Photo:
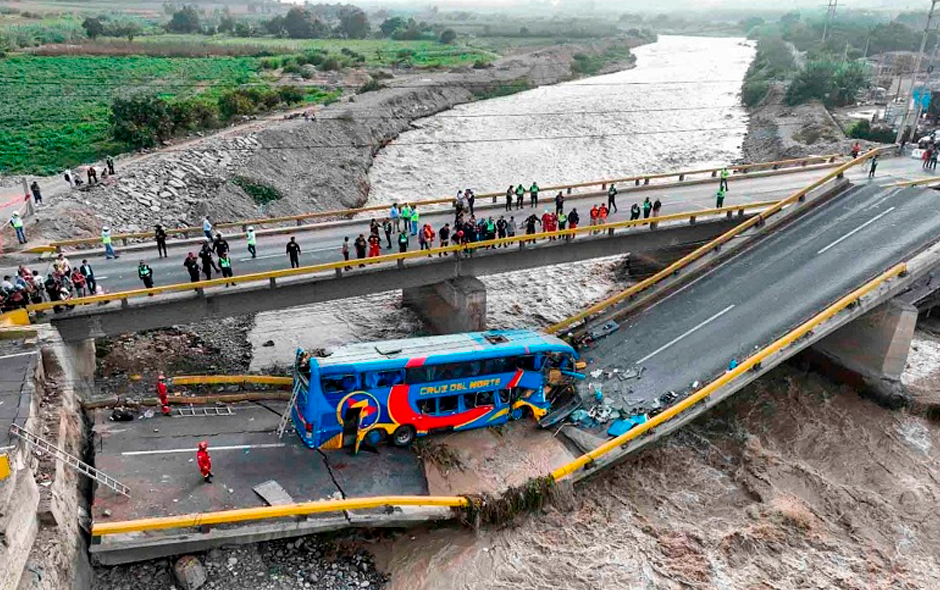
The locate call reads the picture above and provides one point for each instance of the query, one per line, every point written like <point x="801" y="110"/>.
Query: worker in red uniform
<point x="205" y="461"/>
<point x="375" y="245"/>
<point x="161" y="393"/>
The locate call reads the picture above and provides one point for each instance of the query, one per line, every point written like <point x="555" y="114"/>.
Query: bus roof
<point x="449" y="348"/>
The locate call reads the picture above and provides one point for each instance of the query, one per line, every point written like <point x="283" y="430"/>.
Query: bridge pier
<point x="873" y="349"/>
<point x="82" y="356"/>
<point x="452" y="306"/>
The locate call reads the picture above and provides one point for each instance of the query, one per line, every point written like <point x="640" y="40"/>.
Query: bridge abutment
<point x="451" y="306"/>
<point x="82" y="356"/>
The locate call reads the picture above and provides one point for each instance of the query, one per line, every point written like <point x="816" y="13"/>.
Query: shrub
<point x="754" y="91"/>
<point x="371" y="86"/>
<point x="448" y="36"/>
<point x="184" y="20"/>
<point x="331" y="64"/>
<point x="269" y="63"/>
<point x="235" y="103"/>
<point x="260" y="192"/>
<point x="141" y="121"/>
<point x="291" y="94"/>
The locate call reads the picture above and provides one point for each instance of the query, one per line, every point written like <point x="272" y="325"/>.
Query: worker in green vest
<point x="534" y="195"/>
<point x="145" y="274"/>
<point x="225" y="265"/>
<point x="720" y="199"/>
<point x="723" y="183"/>
<point x="520" y="192"/>
<point x="252" y="242"/>
<point x="415" y="216"/>
<point x="17" y="224"/>
<point x="106" y="242"/>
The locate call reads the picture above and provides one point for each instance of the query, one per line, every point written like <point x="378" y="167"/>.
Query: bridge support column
<point x="82" y="356"/>
<point x="455" y="305"/>
<point x="871" y="352"/>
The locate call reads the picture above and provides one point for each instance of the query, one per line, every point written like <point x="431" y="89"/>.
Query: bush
<point x="448" y="36"/>
<point x="754" y="91"/>
<point x="331" y="64"/>
<point x="371" y="86"/>
<point x="864" y="130"/>
<point x="141" y="121"/>
<point x="269" y="63"/>
<point x="235" y="103"/>
<point x="184" y="20"/>
<point x="291" y="94"/>
<point x="260" y="192"/>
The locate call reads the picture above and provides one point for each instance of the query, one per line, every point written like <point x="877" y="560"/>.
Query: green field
<point x="55" y="110"/>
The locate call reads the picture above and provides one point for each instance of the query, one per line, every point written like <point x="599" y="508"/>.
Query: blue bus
<point x="398" y="390"/>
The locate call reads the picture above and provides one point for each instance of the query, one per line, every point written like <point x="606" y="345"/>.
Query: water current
<point x="678" y="108"/>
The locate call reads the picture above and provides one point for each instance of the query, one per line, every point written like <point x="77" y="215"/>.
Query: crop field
<point x="55" y="110"/>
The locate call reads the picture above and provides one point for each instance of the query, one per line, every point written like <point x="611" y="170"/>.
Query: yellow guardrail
<point x="703" y="250"/>
<point x="267" y="512"/>
<point x="228" y="379"/>
<point x="332" y="266"/>
<point x="922" y="181"/>
<point x="729" y="376"/>
<point x="643" y="178"/>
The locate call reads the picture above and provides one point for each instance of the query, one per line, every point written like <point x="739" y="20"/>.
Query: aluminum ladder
<point x="212" y="411"/>
<point x="285" y="417"/>
<point x="75" y="463"/>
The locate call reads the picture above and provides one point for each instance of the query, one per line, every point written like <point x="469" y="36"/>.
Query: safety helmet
<point x="250" y="228"/>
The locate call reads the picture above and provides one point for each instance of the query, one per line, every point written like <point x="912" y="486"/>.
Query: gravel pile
<point x="276" y="565"/>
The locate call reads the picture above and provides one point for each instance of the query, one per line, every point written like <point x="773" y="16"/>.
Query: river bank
<point x="284" y="167"/>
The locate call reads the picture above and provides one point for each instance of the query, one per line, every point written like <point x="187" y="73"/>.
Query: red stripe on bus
<point x="515" y="379"/>
<point x="416" y="362"/>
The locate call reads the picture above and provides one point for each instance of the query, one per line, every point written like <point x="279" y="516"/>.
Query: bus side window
<point x="484" y="398"/>
<point x="504" y="396"/>
<point x="447" y="404"/>
<point x="338" y="383"/>
<point x="427" y="406"/>
<point x="381" y="379"/>
<point x="529" y="363"/>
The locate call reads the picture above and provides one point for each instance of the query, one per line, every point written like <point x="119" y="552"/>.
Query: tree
<point x="226" y="24"/>
<point x="141" y="121"/>
<point x="93" y="27"/>
<point x="128" y="30"/>
<point x="354" y="23"/>
<point x="448" y="36"/>
<point x="849" y="80"/>
<point x="390" y="25"/>
<point x="814" y="82"/>
<point x="184" y="20"/>
<point x="301" y="24"/>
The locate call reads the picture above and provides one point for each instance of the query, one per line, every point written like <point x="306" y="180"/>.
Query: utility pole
<point x="920" y="55"/>
<point x="830" y="15"/>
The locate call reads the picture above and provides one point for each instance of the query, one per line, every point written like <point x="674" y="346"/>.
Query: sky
<point x="659" y="5"/>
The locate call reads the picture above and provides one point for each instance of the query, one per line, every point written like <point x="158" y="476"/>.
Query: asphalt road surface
<point x="15" y="369"/>
<point x="747" y="302"/>
<point x="323" y="245"/>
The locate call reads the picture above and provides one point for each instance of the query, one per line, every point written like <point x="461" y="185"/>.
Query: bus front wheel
<point x="404" y="435"/>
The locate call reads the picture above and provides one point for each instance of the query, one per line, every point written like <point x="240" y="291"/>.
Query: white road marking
<point x="9" y="356"/>
<point x="260" y="257"/>
<point x="857" y="229"/>
<point x="683" y="335"/>
<point x="193" y="450"/>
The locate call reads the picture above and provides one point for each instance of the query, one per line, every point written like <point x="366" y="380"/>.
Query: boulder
<point x="189" y="572"/>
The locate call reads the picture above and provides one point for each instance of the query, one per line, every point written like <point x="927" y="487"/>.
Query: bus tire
<point x="521" y="413"/>
<point x="404" y="435"/>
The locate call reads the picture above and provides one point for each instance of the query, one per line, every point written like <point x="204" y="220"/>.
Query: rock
<point x="268" y="343"/>
<point x="189" y="572"/>
<point x="232" y="561"/>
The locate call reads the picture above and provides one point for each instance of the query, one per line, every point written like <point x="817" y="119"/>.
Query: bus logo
<point x="367" y="403"/>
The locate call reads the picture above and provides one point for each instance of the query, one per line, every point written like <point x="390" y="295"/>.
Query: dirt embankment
<point x="777" y="131"/>
<point x="303" y="166"/>
<point x="795" y="483"/>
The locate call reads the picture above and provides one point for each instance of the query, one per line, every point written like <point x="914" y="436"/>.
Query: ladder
<point x="285" y="417"/>
<point x="213" y="411"/>
<point x="75" y="463"/>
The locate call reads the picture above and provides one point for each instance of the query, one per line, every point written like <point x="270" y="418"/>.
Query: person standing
<point x="415" y="216"/>
<point x="530" y="222"/>
<point x="162" y="395"/>
<point x="403" y="241"/>
<point x="573" y="220"/>
<point x="387" y="228"/>
<point x="17" y="224"/>
<point x="647" y="207"/>
<point x="720" y="199"/>
<point x="160" y="235"/>
<point x="360" y="245"/>
<point x="657" y="205"/>
<point x="445" y="237"/>
<point x="220" y="245"/>
<point x="92" y="175"/>
<point x="873" y="166"/>
<point x="225" y="265"/>
<point x="145" y="274"/>
<point x="375" y="245"/>
<point x="856" y="150"/>
<point x="252" y="242"/>
<point x="634" y="212"/>
<point x="612" y="198"/>
<point x="346" y="252"/>
<point x="109" y="162"/>
<point x="207" y="227"/>
<point x="509" y="198"/>
<point x="68" y="178"/>
<point x="511" y="227"/>
<point x="471" y="199"/>
<point x="394" y="214"/>
<point x="192" y="267"/>
<point x="501" y="228"/>
<point x="89" y="275"/>
<point x="204" y="461"/>
<point x="723" y="183"/>
<point x="208" y="263"/>
<point x="534" y="195"/>
<point x="559" y="203"/>
<point x="293" y="252"/>
<point x="37" y="195"/>
<point x="520" y="195"/>
<point x="106" y="241"/>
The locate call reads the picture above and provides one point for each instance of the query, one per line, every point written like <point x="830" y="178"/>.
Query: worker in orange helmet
<point x="205" y="461"/>
<point x="161" y="393"/>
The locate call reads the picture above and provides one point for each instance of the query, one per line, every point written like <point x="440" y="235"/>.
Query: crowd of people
<point x="62" y="282"/>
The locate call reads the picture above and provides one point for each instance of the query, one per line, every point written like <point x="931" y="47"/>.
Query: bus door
<point x="351" y="420"/>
